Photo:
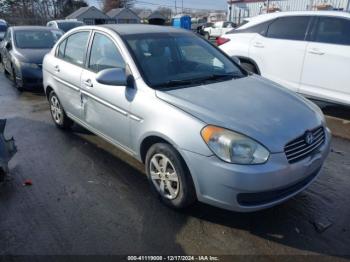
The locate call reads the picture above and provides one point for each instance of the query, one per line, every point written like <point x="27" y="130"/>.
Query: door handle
<point x="316" y="51"/>
<point x="57" y="68"/>
<point x="88" y="83"/>
<point x="259" y="45"/>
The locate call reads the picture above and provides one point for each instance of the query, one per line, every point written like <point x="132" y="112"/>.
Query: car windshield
<point x="179" y="59"/>
<point x="3" y="28"/>
<point x="66" y="26"/>
<point x="36" y="39"/>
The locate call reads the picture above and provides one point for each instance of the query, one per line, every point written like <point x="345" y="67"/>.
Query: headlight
<point x="233" y="147"/>
<point x="35" y="66"/>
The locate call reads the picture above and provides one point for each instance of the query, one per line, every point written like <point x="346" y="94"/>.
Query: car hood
<point x="253" y="106"/>
<point x="35" y="56"/>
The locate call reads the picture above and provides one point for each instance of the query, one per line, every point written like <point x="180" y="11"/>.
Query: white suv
<point x="308" y="52"/>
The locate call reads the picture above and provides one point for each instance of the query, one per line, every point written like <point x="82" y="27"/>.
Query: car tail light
<point x="221" y="40"/>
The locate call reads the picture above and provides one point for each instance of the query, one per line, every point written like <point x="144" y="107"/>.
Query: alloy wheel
<point x="56" y="110"/>
<point x="164" y="176"/>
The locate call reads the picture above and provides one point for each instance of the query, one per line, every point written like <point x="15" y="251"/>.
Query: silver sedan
<point x="205" y="128"/>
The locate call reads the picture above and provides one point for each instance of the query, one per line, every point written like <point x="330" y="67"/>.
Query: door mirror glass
<point x="236" y="60"/>
<point x="8" y="46"/>
<point x="112" y="77"/>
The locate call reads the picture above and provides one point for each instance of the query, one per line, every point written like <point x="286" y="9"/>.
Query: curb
<point x="339" y="127"/>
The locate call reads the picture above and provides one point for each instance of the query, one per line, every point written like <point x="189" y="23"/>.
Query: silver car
<point x="204" y="128"/>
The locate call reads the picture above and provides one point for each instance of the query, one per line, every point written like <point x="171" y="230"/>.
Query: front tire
<point x="169" y="176"/>
<point x="58" y="114"/>
<point x="207" y="36"/>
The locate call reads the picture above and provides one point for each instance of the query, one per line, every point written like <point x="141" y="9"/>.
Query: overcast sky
<point x="200" y="4"/>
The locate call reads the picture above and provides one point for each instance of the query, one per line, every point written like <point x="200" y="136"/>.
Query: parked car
<point x="3" y="28"/>
<point x="22" y="53"/>
<point x="197" y="24"/>
<point x="204" y="128"/>
<point x="308" y="52"/>
<point x="65" y="25"/>
<point x="218" y="29"/>
<point x="202" y="27"/>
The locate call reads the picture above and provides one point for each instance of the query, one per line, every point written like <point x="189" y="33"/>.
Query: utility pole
<point x="175" y="8"/>
<point x="231" y="11"/>
<point x="268" y="6"/>
<point x="348" y="7"/>
<point x="182" y="7"/>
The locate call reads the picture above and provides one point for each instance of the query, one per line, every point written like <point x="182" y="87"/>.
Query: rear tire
<point x="169" y="176"/>
<point x="58" y="114"/>
<point x="249" y="67"/>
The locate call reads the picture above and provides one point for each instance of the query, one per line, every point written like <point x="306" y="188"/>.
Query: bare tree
<point x="111" y="4"/>
<point x="37" y="11"/>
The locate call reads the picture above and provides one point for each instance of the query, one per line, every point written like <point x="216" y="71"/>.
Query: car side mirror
<point x="8" y="46"/>
<point x="112" y="77"/>
<point x="236" y="60"/>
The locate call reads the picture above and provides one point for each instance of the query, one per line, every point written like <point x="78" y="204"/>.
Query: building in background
<point x="90" y="15"/>
<point x="240" y="9"/>
<point x="217" y="16"/>
<point x="124" y="16"/>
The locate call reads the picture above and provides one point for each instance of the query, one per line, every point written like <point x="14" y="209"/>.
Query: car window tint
<point x="61" y="49"/>
<point x="259" y="29"/>
<point x="292" y="28"/>
<point x="104" y="54"/>
<point x="194" y="53"/>
<point x="164" y="58"/>
<point x="333" y="31"/>
<point x="76" y="47"/>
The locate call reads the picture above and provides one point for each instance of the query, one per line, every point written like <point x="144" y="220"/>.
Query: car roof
<point x="66" y="21"/>
<point x="28" y="27"/>
<point x="265" y="17"/>
<point x="132" y="29"/>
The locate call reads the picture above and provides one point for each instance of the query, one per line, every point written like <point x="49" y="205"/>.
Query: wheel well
<point x="48" y="91"/>
<point x="147" y="143"/>
<point x="250" y="61"/>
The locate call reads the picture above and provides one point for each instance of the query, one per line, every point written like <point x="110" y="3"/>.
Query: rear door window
<point x="260" y="29"/>
<point x="333" y="30"/>
<point x="75" y="49"/>
<point x="290" y="28"/>
<point x="61" y="49"/>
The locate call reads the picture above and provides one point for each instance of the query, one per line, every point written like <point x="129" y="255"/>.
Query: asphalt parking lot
<point x="90" y="198"/>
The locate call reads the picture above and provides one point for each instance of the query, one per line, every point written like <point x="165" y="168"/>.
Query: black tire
<point x="186" y="194"/>
<point x="60" y="119"/>
<point x="14" y="79"/>
<point x="249" y="67"/>
<point x="206" y="36"/>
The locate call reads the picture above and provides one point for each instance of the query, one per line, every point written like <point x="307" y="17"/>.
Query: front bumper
<point x="247" y="188"/>
<point x="30" y="78"/>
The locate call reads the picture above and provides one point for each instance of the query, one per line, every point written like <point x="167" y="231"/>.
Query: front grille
<point x="262" y="198"/>
<point x="305" y="145"/>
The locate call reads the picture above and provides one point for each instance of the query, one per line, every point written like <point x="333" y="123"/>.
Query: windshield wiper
<point x="173" y="83"/>
<point x="223" y="76"/>
<point x="185" y="82"/>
